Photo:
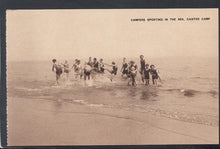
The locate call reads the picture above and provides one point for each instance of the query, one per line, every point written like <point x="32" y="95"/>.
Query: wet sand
<point x="48" y="122"/>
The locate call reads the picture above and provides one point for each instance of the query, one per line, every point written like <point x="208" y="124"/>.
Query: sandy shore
<point x="46" y="122"/>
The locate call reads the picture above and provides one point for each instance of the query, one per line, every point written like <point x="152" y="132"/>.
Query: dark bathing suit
<point x="154" y="74"/>
<point x="125" y="70"/>
<point x="86" y="72"/>
<point x="132" y="75"/>
<point x="142" y="66"/>
<point x="102" y="68"/>
<point x="96" y="65"/>
<point x="75" y="67"/>
<point x="114" y="70"/>
<point x="59" y="70"/>
<point x="146" y="74"/>
<point x="129" y="71"/>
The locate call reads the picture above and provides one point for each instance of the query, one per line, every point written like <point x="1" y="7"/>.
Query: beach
<point x="44" y="122"/>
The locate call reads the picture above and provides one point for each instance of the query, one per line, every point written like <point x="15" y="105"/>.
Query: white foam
<point x="96" y="105"/>
<point x="182" y="90"/>
<point x="80" y="101"/>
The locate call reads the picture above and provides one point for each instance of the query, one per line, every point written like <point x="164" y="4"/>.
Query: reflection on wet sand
<point x="149" y="93"/>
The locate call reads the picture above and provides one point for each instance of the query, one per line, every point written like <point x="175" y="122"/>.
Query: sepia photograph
<point x="112" y="76"/>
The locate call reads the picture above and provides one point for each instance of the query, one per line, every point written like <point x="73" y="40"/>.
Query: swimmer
<point x="58" y="69"/>
<point x="66" y="69"/>
<point x="132" y="71"/>
<point x="95" y="64"/>
<point x="87" y="71"/>
<point x="90" y="61"/>
<point x="124" y="68"/>
<point x="101" y="66"/>
<point x="75" y="65"/>
<point x="154" y="74"/>
<point x="78" y="69"/>
<point x="114" y="70"/>
<point x="142" y="63"/>
<point x="147" y="74"/>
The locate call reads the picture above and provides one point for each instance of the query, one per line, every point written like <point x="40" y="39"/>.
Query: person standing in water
<point x="90" y="62"/>
<point x="101" y="66"/>
<point x="77" y="68"/>
<point x="66" y="69"/>
<point x="95" y="64"/>
<point x="124" y="68"/>
<point x="154" y="74"/>
<point x="87" y="71"/>
<point x="80" y="71"/>
<point x="147" y="74"/>
<point x="58" y="69"/>
<point x="75" y="65"/>
<point x="142" y="63"/>
<point x="114" y="70"/>
<point x="132" y="71"/>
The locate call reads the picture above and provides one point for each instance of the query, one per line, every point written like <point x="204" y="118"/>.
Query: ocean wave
<point x="192" y="92"/>
<point x="211" y="120"/>
<point x="199" y="77"/>
<point x="213" y="93"/>
<point x="28" y="89"/>
<point x="87" y="103"/>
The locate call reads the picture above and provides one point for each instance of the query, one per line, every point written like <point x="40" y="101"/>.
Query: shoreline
<point x="48" y="122"/>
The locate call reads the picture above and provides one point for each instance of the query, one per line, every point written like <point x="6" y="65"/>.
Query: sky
<point x="109" y="33"/>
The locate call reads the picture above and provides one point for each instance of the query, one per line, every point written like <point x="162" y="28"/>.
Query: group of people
<point x="129" y="70"/>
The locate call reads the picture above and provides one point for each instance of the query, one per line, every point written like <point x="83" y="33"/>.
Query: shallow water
<point x="188" y="91"/>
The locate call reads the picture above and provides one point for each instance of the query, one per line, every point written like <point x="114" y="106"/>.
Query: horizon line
<point x="146" y="57"/>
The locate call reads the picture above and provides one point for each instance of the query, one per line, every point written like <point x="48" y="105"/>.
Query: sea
<point x="188" y="90"/>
